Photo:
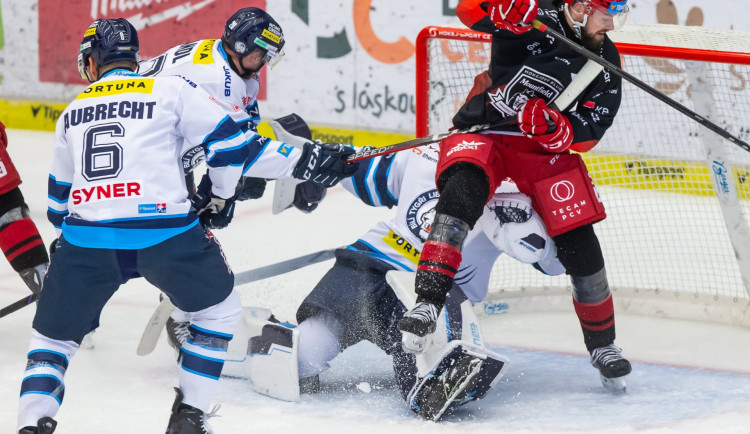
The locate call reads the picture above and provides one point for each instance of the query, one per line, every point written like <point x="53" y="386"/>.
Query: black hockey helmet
<point x="251" y="29"/>
<point x="108" y="41"/>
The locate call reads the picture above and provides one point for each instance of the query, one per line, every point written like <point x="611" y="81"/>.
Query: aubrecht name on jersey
<point x="121" y="109"/>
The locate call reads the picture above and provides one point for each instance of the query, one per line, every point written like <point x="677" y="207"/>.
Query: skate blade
<point x="615" y="385"/>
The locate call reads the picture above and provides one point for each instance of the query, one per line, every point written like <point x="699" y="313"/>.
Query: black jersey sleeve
<point x="597" y="105"/>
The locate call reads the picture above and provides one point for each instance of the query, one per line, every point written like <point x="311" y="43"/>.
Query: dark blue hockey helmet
<point x="251" y="29"/>
<point x="108" y="41"/>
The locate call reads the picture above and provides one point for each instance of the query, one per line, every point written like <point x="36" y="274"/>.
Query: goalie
<point x="354" y="301"/>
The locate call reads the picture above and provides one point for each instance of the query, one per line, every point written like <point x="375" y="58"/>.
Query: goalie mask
<point x="602" y="13"/>
<point x="108" y="41"/>
<point x="251" y="29"/>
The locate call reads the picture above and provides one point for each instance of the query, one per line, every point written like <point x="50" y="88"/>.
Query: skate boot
<point x="177" y="333"/>
<point x="416" y="325"/>
<point x="612" y="367"/>
<point x="45" y="425"/>
<point x="186" y="419"/>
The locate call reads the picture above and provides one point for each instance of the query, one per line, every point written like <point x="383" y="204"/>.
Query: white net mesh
<point x="664" y="233"/>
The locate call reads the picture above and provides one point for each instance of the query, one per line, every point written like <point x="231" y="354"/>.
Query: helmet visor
<point x="272" y="58"/>
<point x="611" y="17"/>
<point x="82" y="66"/>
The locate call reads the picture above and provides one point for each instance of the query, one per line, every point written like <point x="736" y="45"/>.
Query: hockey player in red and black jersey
<point x="19" y="238"/>
<point x="527" y="71"/>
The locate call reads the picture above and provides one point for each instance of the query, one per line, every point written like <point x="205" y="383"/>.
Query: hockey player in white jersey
<point x="230" y="69"/>
<point x="119" y="201"/>
<point x="355" y="302"/>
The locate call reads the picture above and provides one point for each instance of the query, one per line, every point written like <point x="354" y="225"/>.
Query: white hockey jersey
<point x="117" y="179"/>
<point x="206" y="64"/>
<point x="407" y="179"/>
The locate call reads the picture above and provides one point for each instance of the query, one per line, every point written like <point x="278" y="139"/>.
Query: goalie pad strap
<point x="22" y="245"/>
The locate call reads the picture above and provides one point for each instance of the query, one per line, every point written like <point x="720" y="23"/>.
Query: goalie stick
<point x="640" y="84"/>
<point x="163" y="311"/>
<point x="585" y="76"/>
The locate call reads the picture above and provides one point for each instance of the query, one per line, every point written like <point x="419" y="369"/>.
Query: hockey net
<point x="677" y="196"/>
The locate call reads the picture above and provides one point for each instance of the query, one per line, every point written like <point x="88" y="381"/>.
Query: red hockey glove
<point x="3" y="137"/>
<point x="547" y="126"/>
<point x="513" y="15"/>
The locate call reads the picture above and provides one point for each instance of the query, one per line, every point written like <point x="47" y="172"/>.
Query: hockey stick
<point x="163" y="311"/>
<point x="16" y="305"/>
<point x="643" y="86"/>
<point x="585" y="76"/>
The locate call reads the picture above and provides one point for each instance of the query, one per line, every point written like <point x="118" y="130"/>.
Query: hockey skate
<point x="177" y="333"/>
<point x="464" y="374"/>
<point x="45" y="425"/>
<point x="186" y="419"/>
<point x="416" y="324"/>
<point x="612" y="367"/>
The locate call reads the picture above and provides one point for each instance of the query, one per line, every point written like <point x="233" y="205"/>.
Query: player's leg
<point x="191" y="270"/>
<point x="469" y="169"/>
<point x="579" y="252"/>
<point x="319" y="343"/>
<point x="348" y="305"/>
<point x="76" y="287"/>
<point x="454" y="367"/>
<point x="567" y="201"/>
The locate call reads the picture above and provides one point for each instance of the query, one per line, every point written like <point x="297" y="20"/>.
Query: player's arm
<point x="60" y="179"/>
<point x="493" y="16"/>
<point x="203" y="121"/>
<point x="377" y="182"/>
<point x="579" y="129"/>
<point x="20" y="241"/>
<point x="596" y="108"/>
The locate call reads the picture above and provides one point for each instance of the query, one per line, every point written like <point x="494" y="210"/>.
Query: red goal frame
<point x="437" y="32"/>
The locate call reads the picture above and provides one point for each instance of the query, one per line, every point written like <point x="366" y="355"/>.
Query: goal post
<point x="676" y="241"/>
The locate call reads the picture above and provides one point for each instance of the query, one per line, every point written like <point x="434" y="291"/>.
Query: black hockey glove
<point x="307" y="196"/>
<point x="323" y="163"/>
<point x="250" y="188"/>
<point x="213" y="211"/>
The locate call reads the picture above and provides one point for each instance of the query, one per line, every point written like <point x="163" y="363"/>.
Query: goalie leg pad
<point x="270" y="362"/>
<point x="465" y="373"/>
